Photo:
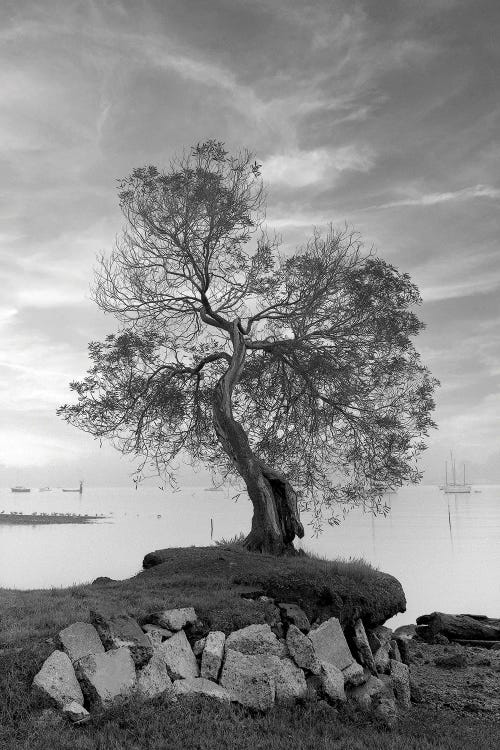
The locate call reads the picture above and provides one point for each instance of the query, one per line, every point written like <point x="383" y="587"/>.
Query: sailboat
<point x="453" y="487"/>
<point x="78" y="489"/>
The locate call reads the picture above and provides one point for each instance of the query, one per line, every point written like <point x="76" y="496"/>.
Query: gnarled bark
<point x="275" y="521"/>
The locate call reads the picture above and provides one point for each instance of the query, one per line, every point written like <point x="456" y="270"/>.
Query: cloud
<point x="431" y="199"/>
<point x="302" y="168"/>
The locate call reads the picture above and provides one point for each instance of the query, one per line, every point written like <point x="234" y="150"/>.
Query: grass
<point x="212" y="580"/>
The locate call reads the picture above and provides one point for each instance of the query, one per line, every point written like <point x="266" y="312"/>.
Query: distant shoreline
<point x="37" y="520"/>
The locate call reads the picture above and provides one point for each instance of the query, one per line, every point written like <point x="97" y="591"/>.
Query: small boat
<point x="44" y="489"/>
<point x="454" y="488"/>
<point x="71" y="489"/>
<point x="20" y="489"/>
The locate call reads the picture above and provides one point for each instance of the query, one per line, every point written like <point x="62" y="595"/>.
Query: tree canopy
<point x="296" y="373"/>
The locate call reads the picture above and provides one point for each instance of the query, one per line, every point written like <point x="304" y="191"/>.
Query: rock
<point x="250" y="679"/>
<point x="382" y="658"/>
<point x="354" y="675"/>
<point x="155" y="639"/>
<point x="292" y="614"/>
<point x="102" y="581"/>
<point x="266" y="599"/>
<point x="199" y="646"/>
<point x="364" y="693"/>
<point x="314" y="689"/>
<point x="201" y="686"/>
<point x="404" y="651"/>
<point x="373" y="640"/>
<point x="394" y="651"/>
<point x="174" y="619"/>
<point x="80" y="639"/>
<point x="107" y="677"/>
<point x="211" y="660"/>
<point x="440" y="639"/>
<point x="451" y="661"/>
<point x="407" y="632"/>
<point x="363" y="647"/>
<point x="178" y="657"/>
<point x="153" y="679"/>
<point x="302" y="650"/>
<point x="290" y="681"/>
<point x="473" y="627"/>
<point x="149" y="627"/>
<point x="400" y="675"/>
<point x="76" y="713"/>
<point x="330" y="644"/>
<point x="387" y="712"/>
<point x="255" y="639"/>
<point x="415" y="692"/>
<point x="57" y="680"/>
<point x="332" y="682"/>
<point x="117" y="631"/>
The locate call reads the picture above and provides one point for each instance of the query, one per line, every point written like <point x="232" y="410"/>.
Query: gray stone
<point x="107" y="677"/>
<point x="289" y="680"/>
<point x="178" y="657"/>
<point x="155" y="639"/>
<point x="250" y="679"/>
<point x="149" y="627"/>
<point x="332" y="682"/>
<point x="363" y="647"/>
<point x="382" y="658"/>
<point x="76" y="713"/>
<point x="394" y="651"/>
<point x="302" y="650"/>
<point x="57" y="680"/>
<point x="401" y="682"/>
<point x="292" y="614"/>
<point x="201" y="686"/>
<point x="364" y="693"/>
<point x="330" y="644"/>
<point x="199" y="646"/>
<point x="211" y="660"/>
<point x="383" y="633"/>
<point x="80" y="639"/>
<point x="117" y="631"/>
<point x="153" y="679"/>
<point x="354" y="675"/>
<point x="255" y="639"/>
<point x="174" y="619"/>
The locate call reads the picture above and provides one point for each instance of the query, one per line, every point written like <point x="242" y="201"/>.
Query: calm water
<point x="444" y="549"/>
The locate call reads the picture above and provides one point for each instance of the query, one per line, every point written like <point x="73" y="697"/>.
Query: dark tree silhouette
<point x="296" y="374"/>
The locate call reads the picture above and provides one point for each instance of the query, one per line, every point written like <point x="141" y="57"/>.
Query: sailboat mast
<point x="446" y="472"/>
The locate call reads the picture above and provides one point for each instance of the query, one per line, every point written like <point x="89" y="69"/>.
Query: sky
<point x="384" y="115"/>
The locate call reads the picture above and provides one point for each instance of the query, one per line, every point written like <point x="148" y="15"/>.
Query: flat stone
<point x="332" y="682"/>
<point x="255" y="639"/>
<point x="174" y="619"/>
<point x="292" y="614"/>
<point x="330" y="644"/>
<point x="213" y="652"/>
<point x="117" y="631"/>
<point x="57" y="680"/>
<point x="363" y="647"/>
<point x="107" y="677"/>
<point x="354" y="675"/>
<point x="201" y="686"/>
<point x="76" y="713"/>
<point x="290" y="681"/>
<point x="401" y="683"/>
<point x="80" y="639"/>
<point x="178" y="657"/>
<point x="302" y="650"/>
<point x="364" y="693"/>
<point x="153" y="679"/>
<point x="394" y="651"/>
<point x="250" y="679"/>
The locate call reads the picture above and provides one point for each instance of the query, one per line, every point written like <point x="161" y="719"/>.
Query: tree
<point x="295" y="373"/>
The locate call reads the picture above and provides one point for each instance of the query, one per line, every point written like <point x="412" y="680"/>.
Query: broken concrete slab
<point x="330" y="644"/>
<point x="80" y="639"/>
<point x="213" y="653"/>
<point x="57" y="680"/>
<point x="201" y="686"/>
<point x="178" y="657"/>
<point x="107" y="677"/>
<point x="118" y="631"/>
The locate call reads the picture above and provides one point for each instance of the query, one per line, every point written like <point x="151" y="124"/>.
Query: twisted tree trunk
<point x="275" y="522"/>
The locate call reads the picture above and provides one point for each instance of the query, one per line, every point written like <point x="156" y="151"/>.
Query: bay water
<point x="445" y="549"/>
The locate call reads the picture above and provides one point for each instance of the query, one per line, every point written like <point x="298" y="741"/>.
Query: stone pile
<point x="113" y="657"/>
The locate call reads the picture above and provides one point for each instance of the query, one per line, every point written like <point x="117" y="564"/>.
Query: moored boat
<point x="18" y="488"/>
